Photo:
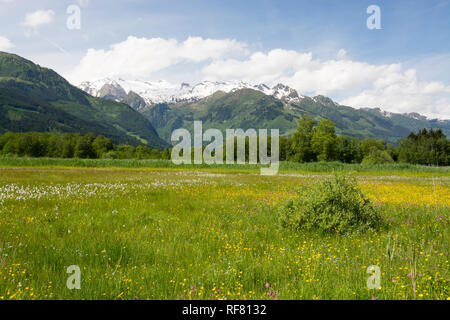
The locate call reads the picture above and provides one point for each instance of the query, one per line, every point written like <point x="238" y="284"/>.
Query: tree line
<point x="310" y="142"/>
<point x="318" y="142"/>
<point x="72" y="145"/>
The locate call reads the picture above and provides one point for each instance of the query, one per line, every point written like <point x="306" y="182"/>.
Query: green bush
<point x="333" y="205"/>
<point x="377" y="157"/>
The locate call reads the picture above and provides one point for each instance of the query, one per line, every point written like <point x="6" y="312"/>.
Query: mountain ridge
<point x="172" y="113"/>
<point x="35" y="97"/>
<point x="165" y="92"/>
<point x="248" y="108"/>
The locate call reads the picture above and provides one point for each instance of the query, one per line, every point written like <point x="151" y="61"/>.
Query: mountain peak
<point x="415" y="115"/>
<point x="285" y="93"/>
<point x="165" y="92"/>
<point x="112" y="91"/>
<point x="325" y="101"/>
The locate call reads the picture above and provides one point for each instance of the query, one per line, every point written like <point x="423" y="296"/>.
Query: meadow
<point x="151" y="230"/>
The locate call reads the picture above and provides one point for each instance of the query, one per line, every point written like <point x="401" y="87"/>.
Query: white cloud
<point x="139" y="57"/>
<point x="406" y="94"/>
<point x="37" y="18"/>
<point x="359" y="84"/>
<point x="298" y="70"/>
<point x="388" y="86"/>
<point x="5" y="44"/>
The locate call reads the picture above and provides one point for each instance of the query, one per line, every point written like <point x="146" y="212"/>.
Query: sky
<point x="317" y="47"/>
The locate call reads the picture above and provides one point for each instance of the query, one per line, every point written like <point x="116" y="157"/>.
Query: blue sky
<point x="414" y="34"/>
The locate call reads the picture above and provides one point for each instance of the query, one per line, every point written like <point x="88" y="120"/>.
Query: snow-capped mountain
<point x="163" y="91"/>
<point x="411" y="115"/>
<point x="325" y="101"/>
<point x="282" y="92"/>
<point x="139" y="93"/>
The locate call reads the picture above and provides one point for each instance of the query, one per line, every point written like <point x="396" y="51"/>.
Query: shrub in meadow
<point x="377" y="157"/>
<point x="333" y="205"/>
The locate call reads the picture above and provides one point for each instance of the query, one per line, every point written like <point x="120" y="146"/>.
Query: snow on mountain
<point x="412" y="115"/>
<point x="325" y="101"/>
<point x="415" y="116"/>
<point x="166" y="92"/>
<point x="387" y="114"/>
<point x="93" y="87"/>
<point x="282" y="92"/>
<point x="163" y="91"/>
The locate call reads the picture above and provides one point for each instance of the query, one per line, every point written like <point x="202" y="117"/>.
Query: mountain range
<point x="166" y="92"/>
<point x="33" y="98"/>
<point x="238" y="104"/>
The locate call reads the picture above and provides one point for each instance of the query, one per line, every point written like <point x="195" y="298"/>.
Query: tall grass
<point x="150" y="234"/>
<point x="159" y="164"/>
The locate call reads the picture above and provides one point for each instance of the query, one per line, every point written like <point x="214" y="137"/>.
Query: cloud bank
<point x="140" y="57"/>
<point x="356" y="83"/>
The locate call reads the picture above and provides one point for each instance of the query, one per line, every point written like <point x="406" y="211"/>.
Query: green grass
<point x="319" y="167"/>
<point x="197" y="234"/>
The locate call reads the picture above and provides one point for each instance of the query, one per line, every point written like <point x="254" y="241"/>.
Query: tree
<point x="369" y="145"/>
<point x="102" y="145"/>
<point x="166" y="154"/>
<point x="126" y="152"/>
<point x="69" y="145"/>
<point x="323" y="142"/>
<point x="10" y="148"/>
<point x="285" y="144"/>
<point x="5" y="138"/>
<point x="348" y="150"/>
<point x="374" y="152"/>
<point x="84" y="149"/>
<point x="142" y="152"/>
<point x="300" y="147"/>
<point x="377" y="157"/>
<point x="427" y="147"/>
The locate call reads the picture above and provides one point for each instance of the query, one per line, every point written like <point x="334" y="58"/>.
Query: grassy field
<point x="150" y="230"/>
<point x="320" y="167"/>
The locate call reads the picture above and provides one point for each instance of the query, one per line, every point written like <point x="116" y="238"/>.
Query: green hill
<point x="33" y="98"/>
<point x="248" y="108"/>
<point x="243" y="109"/>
